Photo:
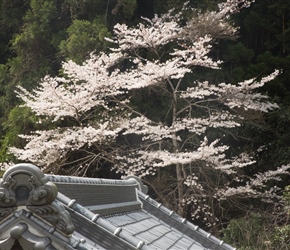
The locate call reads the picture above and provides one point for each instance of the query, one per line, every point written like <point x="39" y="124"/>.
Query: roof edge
<point x="181" y="224"/>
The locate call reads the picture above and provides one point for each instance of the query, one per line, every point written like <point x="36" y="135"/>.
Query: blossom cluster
<point x="96" y="97"/>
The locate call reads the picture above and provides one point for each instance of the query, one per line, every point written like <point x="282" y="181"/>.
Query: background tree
<point x="36" y="36"/>
<point x="185" y="145"/>
<point x="262" y="45"/>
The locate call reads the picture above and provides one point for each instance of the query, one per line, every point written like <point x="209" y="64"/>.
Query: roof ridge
<point x="88" y="180"/>
<point x="128" y="181"/>
<point x="102" y="223"/>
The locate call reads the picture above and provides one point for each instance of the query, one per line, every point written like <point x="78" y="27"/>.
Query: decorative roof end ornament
<point x="26" y="185"/>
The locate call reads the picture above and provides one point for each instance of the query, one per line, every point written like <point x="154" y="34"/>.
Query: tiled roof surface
<point x="183" y="226"/>
<point x="57" y="212"/>
<point x="154" y="232"/>
<point x="151" y="222"/>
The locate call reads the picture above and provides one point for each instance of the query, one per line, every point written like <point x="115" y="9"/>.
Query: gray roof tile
<point x="156" y="234"/>
<point x="106" y="214"/>
<point x="159" y="227"/>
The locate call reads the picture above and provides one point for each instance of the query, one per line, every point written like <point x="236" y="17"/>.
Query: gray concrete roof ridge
<point x="102" y="223"/>
<point x="88" y="180"/>
<point x="128" y="181"/>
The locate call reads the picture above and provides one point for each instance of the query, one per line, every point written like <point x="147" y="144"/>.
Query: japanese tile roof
<point x="59" y="212"/>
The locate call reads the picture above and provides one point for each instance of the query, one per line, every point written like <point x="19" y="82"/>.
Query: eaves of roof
<point x="181" y="224"/>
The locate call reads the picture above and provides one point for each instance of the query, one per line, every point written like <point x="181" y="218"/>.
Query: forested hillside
<point x="209" y="135"/>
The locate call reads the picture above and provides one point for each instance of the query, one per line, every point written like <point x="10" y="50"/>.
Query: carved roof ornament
<point x="26" y="185"/>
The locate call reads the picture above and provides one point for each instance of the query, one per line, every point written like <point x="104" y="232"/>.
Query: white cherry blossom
<point x="96" y="98"/>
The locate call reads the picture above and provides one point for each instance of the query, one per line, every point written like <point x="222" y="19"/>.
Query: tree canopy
<point x="160" y="96"/>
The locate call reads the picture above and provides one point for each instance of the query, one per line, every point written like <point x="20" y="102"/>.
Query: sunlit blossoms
<point x="94" y="119"/>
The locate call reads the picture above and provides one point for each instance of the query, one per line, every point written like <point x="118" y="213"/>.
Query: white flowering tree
<point x="92" y="113"/>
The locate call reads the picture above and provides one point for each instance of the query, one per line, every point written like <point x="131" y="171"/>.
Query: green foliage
<point x="261" y="231"/>
<point x="246" y="233"/>
<point x="20" y="119"/>
<point x="281" y="238"/>
<point x="128" y="7"/>
<point x="112" y="11"/>
<point x="32" y="43"/>
<point x="37" y="25"/>
<point x="237" y="57"/>
<point x="84" y="37"/>
<point x="286" y="195"/>
<point x="11" y="13"/>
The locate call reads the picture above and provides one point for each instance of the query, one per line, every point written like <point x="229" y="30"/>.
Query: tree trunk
<point x="283" y="35"/>
<point x="178" y="167"/>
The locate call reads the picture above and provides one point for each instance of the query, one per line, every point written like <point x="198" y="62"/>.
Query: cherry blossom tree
<point x="91" y="113"/>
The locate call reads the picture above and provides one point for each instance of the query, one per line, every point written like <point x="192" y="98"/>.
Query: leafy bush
<point x="246" y="233"/>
